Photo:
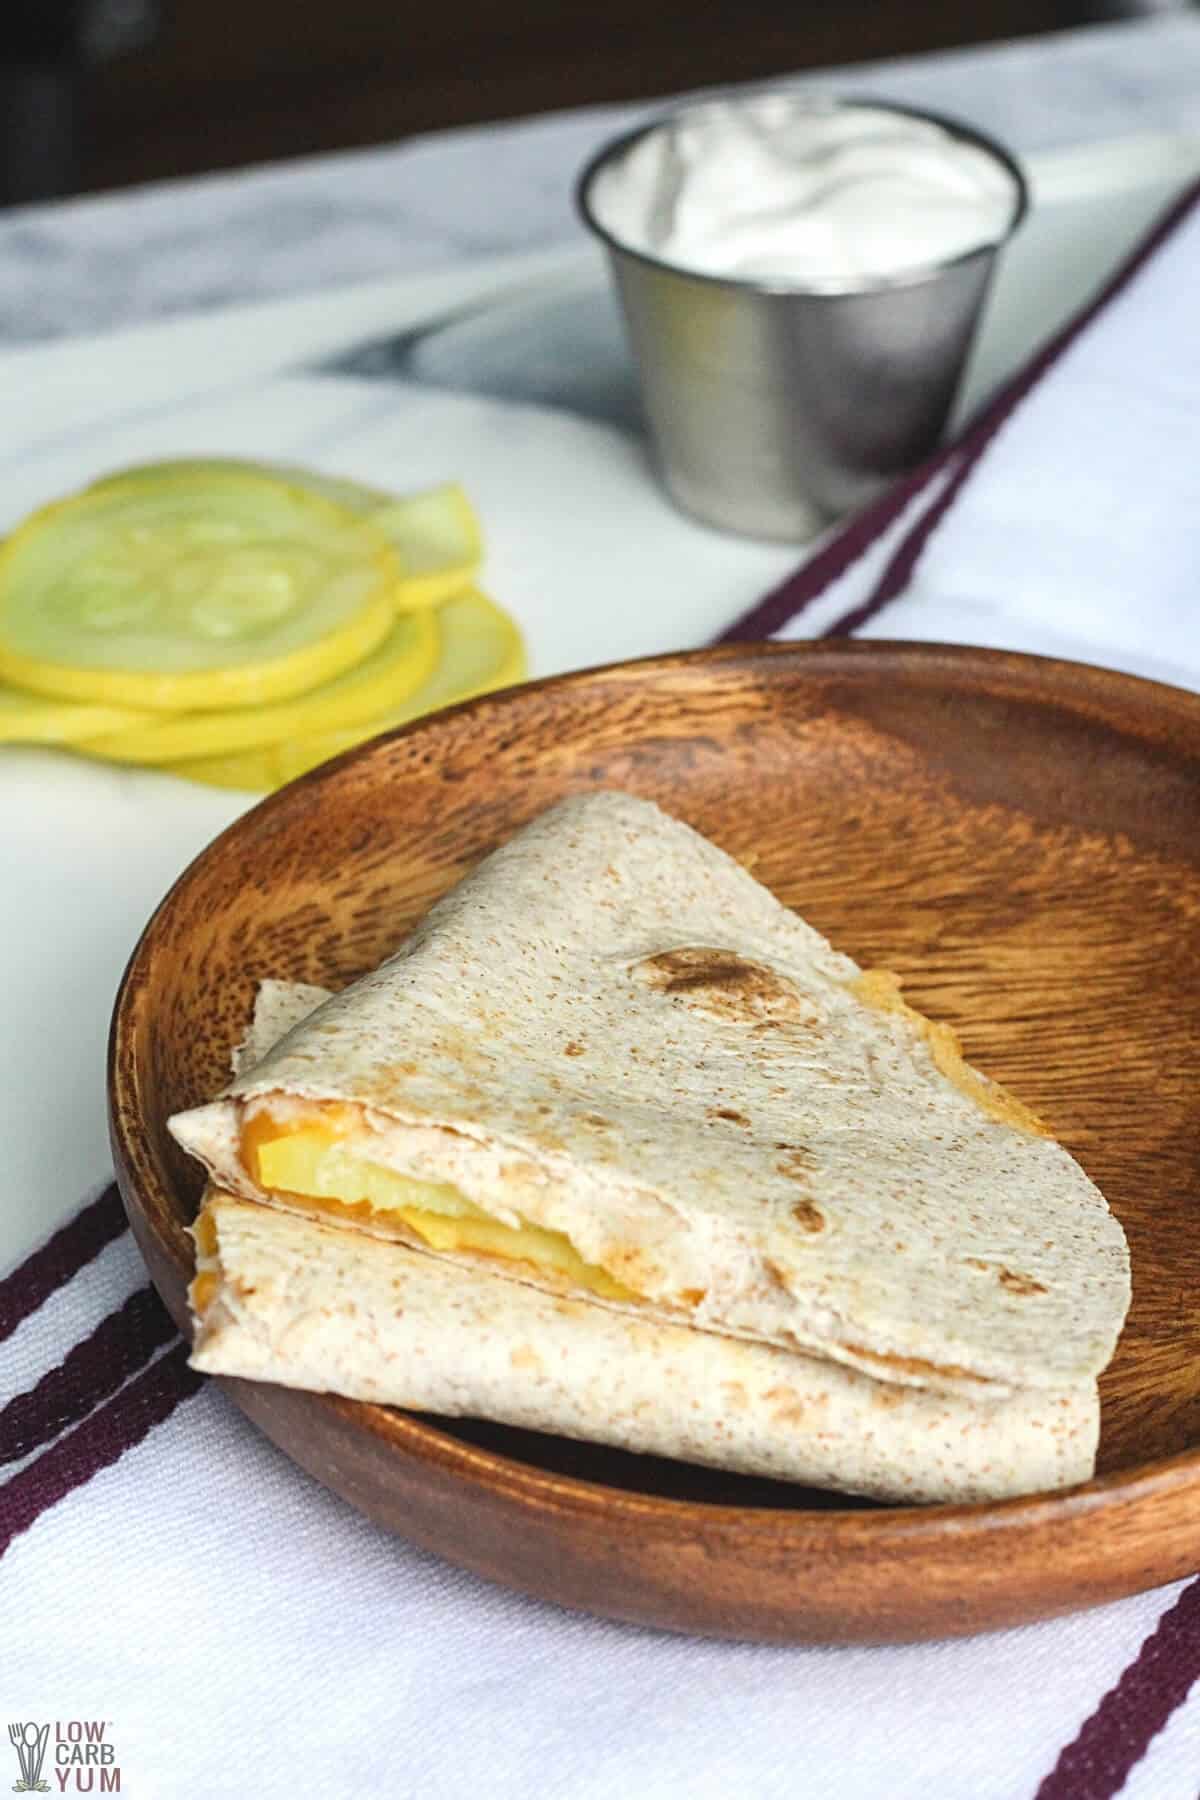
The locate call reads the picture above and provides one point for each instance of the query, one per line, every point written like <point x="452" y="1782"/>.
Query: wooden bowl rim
<point x="1122" y="700"/>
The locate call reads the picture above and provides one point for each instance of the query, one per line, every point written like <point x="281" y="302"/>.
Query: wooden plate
<point x="1019" y="838"/>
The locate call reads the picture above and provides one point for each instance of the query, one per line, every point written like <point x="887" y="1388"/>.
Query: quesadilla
<point x="610" y="1066"/>
<point x="286" y="1299"/>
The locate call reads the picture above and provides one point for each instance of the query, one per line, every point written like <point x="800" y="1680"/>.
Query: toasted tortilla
<point x="611" y="1034"/>
<point x="285" y="1299"/>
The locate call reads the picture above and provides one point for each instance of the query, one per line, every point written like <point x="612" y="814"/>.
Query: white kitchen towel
<point x="185" y="1612"/>
<point x="1066" y="519"/>
<point x="181" y="1598"/>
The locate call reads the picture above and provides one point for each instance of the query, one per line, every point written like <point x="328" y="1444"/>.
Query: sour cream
<point x="778" y="187"/>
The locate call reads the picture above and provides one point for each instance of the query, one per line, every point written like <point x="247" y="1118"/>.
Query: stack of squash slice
<point x="238" y="623"/>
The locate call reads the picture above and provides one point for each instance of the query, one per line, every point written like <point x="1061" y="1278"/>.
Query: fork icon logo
<point x="29" y="1742"/>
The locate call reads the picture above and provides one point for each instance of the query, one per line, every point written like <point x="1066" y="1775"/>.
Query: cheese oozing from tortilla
<point x="306" y="1163"/>
<point x="207" y="1279"/>
<point x="880" y="989"/>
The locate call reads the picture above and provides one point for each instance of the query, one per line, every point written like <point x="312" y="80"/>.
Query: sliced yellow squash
<point x="192" y="590"/>
<point x="395" y="668"/>
<point x="435" y="533"/>
<point x="32" y="719"/>
<point x="438" y="540"/>
<point x="311" y="1169"/>
<point x="481" y="650"/>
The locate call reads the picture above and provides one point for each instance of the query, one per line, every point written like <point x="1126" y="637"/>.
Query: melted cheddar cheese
<point x="880" y="988"/>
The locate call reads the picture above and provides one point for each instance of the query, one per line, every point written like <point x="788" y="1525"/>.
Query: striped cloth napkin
<point x="1064" y="519"/>
<point x="185" y="1612"/>
<point x="177" y="1593"/>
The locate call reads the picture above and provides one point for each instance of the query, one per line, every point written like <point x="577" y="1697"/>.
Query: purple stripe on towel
<point x="1098" y="1762"/>
<point x="59" y="1258"/>
<point x="89" y="1373"/>
<point x="119" y="1425"/>
<point x="783" y="603"/>
<point x="899" y="572"/>
<point x="841" y="551"/>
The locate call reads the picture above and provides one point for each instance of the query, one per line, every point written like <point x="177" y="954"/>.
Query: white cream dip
<point x="779" y="187"/>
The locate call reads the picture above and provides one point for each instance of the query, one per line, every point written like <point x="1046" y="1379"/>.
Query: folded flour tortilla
<point x="285" y="1299"/>
<point x="611" y="1067"/>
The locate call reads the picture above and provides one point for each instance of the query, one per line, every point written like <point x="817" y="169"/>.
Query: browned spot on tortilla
<point x="1016" y="1283"/>
<point x="1012" y="1279"/>
<point x="785" y="1408"/>
<point x="912" y="1365"/>
<point x="517" y="1174"/>
<point x="727" y="1112"/>
<point x="736" y="1393"/>
<point x="633" y="1267"/>
<point x="797" y="1161"/>
<point x="807" y="1216"/>
<point x="886" y="1394"/>
<point x="724" y="984"/>
<point x="525" y="1357"/>
<point x="692" y="1296"/>
<point x="880" y="989"/>
<point x="778" y="1275"/>
<point x="572" y="1049"/>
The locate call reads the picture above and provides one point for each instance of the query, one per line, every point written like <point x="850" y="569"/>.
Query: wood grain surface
<point x="1018" y="838"/>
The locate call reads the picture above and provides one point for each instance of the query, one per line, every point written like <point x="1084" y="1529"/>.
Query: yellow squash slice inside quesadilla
<point x="308" y="1162"/>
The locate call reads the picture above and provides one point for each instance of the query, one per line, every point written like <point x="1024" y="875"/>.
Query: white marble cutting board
<point x="581" y="546"/>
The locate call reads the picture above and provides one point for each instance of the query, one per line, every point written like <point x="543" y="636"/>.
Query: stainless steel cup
<point x="773" y="407"/>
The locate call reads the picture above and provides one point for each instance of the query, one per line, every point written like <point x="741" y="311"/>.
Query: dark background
<point x="100" y="93"/>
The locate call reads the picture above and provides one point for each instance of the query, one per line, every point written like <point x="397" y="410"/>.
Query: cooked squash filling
<point x="203" y="1291"/>
<point x="313" y="1169"/>
<point x="205" y="1282"/>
